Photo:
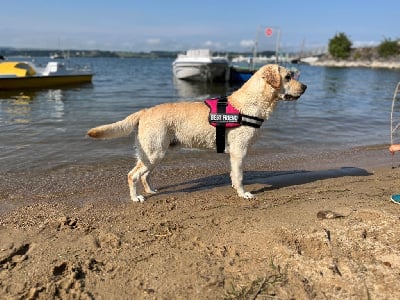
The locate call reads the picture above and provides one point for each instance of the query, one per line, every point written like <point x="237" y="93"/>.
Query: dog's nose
<point x="303" y="87"/>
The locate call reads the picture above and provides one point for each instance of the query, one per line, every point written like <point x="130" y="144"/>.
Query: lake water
<point x="341" y="109"/>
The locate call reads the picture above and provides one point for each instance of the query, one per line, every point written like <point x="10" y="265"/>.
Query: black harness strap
<point x="220" y="128"/>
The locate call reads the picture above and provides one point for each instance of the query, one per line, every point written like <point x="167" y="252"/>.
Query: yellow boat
<point x="25" y="75"/>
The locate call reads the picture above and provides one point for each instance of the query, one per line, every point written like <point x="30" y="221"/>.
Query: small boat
<point x="242" y="73"/>
<point x="57" y="56"/>
<point x="17" y="75"/>
<point x="201" y="65"/>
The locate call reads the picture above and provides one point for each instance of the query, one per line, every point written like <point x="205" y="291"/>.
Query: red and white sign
<point x="268" y="31"/>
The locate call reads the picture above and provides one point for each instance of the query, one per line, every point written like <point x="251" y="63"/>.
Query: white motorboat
<point x="201" y="65"/>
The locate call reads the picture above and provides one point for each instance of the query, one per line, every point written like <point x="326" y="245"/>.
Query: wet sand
<point x="321" y="227"/>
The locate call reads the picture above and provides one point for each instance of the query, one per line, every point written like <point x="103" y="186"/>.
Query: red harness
<point x="223" y="115"/>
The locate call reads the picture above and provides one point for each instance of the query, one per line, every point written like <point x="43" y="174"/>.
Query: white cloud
<point x="357" y="44"/>
<point x="212" y="45"/>
<point x="247" y="43"/>
<point x="153" y="41"/>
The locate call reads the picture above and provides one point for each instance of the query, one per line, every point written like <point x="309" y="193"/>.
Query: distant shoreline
<point x="360" y="63"/>
<point x="323" y="61"/>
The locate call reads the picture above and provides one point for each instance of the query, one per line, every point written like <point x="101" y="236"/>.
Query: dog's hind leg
<point x="145" y="164"/>
<point x="146" y="184"/>
<point x="151" y="144"/>
<point x="133" y="176"/>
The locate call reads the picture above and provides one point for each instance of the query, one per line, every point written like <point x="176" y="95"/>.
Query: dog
<point x="187" y="124"/>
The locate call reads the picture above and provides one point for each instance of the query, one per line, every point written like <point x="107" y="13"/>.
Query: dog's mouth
<point x="291" y="97"/>
<point x="288" y="97"/>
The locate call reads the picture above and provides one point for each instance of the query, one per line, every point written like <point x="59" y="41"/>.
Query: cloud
<point x="247" y="43"/>
<point x="357" y="44"/>
<point x="213" y="45"/>
<point x="153" y="41"/>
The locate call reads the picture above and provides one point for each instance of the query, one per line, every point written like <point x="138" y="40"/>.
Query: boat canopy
<point x="16" y="68"/>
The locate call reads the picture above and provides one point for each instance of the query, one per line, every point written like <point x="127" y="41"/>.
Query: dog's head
<point x="281" y="80"/>
<point x="261" y="92"/>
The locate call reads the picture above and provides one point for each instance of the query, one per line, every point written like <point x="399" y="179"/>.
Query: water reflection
<point x="56" y="98"/>
<point x="334" y="80"/>
<point x="16" y="107"/>
<point x="5" y="95"/>
<point x="19" y="107"/>
<point x="55" y="95"/>
<point x="197" y="90"/>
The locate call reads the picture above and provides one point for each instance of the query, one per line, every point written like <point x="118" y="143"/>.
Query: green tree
<point x="340" y="46"/>
<point x="388" y="48"/>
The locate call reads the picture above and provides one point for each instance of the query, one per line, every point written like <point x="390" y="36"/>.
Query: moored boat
<point x="242" y="73"/>
<point x="57" y="56"/>
<point x="24" y="75"/>
<point x="201" y="65"/>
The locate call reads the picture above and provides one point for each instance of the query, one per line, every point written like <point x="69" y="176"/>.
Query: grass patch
<point x="265" y="286"/>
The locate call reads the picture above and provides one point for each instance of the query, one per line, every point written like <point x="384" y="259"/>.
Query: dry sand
<point x="320" y="228"/>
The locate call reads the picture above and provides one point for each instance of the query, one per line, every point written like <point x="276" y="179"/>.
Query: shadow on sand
<point x="271" y="179"/>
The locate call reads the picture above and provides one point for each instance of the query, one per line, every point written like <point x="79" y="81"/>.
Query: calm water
<point x="342" y="108"/>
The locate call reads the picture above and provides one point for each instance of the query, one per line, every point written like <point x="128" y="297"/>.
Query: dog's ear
<point x="272" y="76"/>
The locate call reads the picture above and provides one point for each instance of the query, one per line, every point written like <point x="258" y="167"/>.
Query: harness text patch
<point x="230" y="118"/>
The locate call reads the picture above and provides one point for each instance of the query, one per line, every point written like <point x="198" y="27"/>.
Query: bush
<point x="388" y="48"/>
<point x="340" y="46"/>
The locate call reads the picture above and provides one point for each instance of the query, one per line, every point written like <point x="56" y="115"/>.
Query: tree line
<point x="340" y="47"/>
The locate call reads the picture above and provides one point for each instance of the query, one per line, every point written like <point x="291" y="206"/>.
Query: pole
<point x="255" y="49"/>
<point x="278" y="41"/>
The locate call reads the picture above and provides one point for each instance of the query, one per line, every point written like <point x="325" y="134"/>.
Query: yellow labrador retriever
<point x="187" y="124"/>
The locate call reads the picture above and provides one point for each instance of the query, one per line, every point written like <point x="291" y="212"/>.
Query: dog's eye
<point x="288" y="77"/>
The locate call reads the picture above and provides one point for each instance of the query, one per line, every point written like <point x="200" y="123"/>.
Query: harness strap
<point x="220" y="128"/>
<point x="223" y="116"/>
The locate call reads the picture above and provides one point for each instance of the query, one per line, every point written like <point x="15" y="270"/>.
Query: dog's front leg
<point x="237" y="175"/>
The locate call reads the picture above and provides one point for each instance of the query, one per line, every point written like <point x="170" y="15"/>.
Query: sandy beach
<point x="321" y="227"/>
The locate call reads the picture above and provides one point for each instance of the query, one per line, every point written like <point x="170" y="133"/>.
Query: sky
<point x="175" y="25"/>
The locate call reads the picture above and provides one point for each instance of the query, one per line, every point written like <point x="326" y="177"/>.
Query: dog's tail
<point x="117" y="129"/>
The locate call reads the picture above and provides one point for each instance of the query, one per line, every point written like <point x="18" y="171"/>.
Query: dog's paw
<point x="152" y="191"/>
<point x="138" y="198"/>
<point x="247" y="195"/>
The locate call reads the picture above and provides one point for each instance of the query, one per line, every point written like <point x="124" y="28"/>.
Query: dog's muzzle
<point x="289" y="97"/>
